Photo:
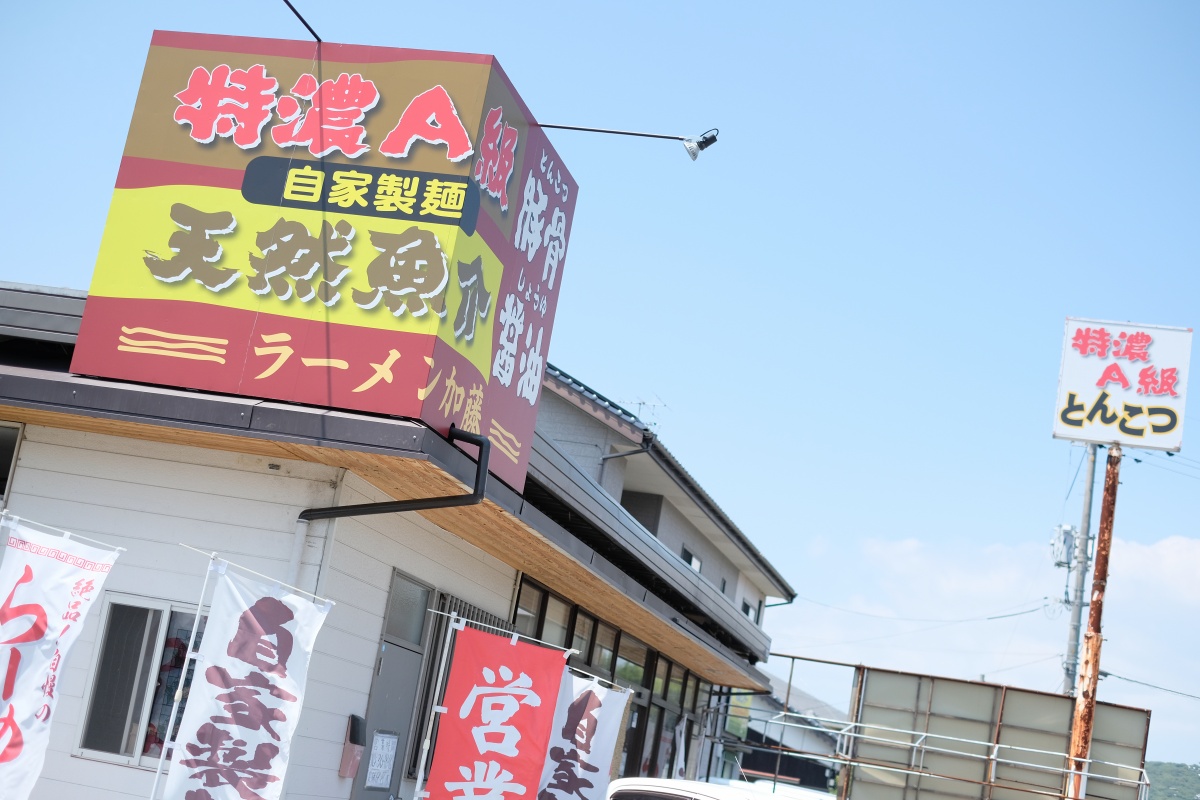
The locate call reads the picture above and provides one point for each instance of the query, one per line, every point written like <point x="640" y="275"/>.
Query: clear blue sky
<point x="851" y="307"/>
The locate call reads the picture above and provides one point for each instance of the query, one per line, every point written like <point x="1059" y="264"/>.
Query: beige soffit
<point x="487" y="526"/>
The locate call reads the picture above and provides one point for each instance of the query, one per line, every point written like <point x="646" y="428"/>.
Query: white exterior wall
<point x="365" y="550"/>
<point x="149" y="496"/>
<point x="675" y="531"/>
<point x="748" y="592"/>
<point x="584" y="439"/>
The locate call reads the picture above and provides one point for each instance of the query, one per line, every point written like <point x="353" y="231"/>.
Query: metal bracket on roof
<point x="420" y="504"/>
<point x="647" y="440"/>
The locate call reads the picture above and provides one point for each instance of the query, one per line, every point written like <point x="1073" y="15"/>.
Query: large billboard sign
<point x="1123" y="384"/>
<point x="364" y="228"/>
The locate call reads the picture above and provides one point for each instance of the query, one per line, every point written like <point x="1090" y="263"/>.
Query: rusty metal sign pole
<point x="1089" y="669"/>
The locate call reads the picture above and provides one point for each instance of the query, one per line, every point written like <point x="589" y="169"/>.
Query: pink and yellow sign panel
<point x="364" y="228"/>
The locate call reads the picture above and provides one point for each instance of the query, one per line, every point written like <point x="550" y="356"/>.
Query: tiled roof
<point x="591" y="394"/>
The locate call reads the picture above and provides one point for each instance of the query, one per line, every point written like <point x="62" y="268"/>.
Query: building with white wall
<point x="612" y="549"/>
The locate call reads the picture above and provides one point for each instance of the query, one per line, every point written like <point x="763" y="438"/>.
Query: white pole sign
<point x="1123" y="384"/>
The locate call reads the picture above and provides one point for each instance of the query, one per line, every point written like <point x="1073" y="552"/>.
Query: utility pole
<point x="1089" y="673"/>
<point x="1071" y="662"/>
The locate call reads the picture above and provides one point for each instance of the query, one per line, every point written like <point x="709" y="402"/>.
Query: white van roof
<point x="672" y="789"/>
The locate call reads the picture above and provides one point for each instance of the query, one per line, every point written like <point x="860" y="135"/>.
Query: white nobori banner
<point x="47" y="586"/>
<point x="583" y="740"/>
<point x="246" y="694"/>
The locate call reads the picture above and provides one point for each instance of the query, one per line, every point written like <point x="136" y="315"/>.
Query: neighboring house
<point x="792" y="735"/>
<point x="783" y="735"/>
<point x="612" y="549"/>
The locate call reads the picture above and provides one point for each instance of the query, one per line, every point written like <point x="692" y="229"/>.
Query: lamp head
<point x="706" y="140"/>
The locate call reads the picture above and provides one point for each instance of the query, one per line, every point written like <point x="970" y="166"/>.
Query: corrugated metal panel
<point x="917" y="735"/>
<point x="1041" y="725"/>
<point x="1118" y="746"/>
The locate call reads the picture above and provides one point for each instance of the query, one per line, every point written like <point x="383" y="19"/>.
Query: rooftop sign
<point x="363" y="228"/>
<point x="1123" y="384"/>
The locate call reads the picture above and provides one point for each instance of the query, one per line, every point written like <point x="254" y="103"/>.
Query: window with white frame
<point x="691" y="559"/>
<point x="10" y="440"/>
<point x="139" y="663"/>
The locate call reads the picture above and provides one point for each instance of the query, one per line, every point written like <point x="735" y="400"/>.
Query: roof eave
<point x="701" y="498"/>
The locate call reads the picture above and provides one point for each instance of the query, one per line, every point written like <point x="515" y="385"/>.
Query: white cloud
<point x="1168" y="569"/>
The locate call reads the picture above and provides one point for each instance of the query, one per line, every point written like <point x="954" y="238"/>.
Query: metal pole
<point x="303" y="20"/>
<point x="712" y="745"/>
<point x="607" y="130"/>
<point x="189" y="658"/>
<point x="787" y="703"/>
<point x="1071" y="662"/>
<point x="457" y="623"/>
<point x="857" y="694"/>
<point x="1089" y="673"/>
<point x="299" y="539"/>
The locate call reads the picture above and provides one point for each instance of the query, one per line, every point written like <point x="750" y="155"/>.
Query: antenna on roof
<point x="652" y="405"/>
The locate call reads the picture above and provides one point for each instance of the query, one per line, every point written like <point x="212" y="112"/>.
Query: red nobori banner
<point x="367" y="228"/>
<point x="47" y="586"/>
<point x="246" y="694"/>
<point x="493" y="738"/>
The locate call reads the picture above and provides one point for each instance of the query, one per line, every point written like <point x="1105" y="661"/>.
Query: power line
<point x="1026" y="664"/>
<point x="1174" y="456"/>
<point x="1175" y="460"/>
<point x="1162" y="457"/>
<point x="1104" y="674"/>
<point x="1166" y="454"/>
<point x="1016" y="614"/>
<point x="922" y="630"/>
<point x="1001" y="615"/>
<point x="1164" y="469"/>
<point x="1071" y="488"/>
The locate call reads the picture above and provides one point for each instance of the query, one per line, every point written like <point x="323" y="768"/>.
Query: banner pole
<point x="268" y="578"/>
<point x="12" y="519"/>
<point x="190" y="658"/>
<point x="457" y="623"/>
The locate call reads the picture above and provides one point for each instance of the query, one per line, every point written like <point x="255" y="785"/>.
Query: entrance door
<point x="394" y="691"/>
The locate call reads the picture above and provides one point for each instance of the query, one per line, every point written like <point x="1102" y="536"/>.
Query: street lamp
<point x="692" y="145"/>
